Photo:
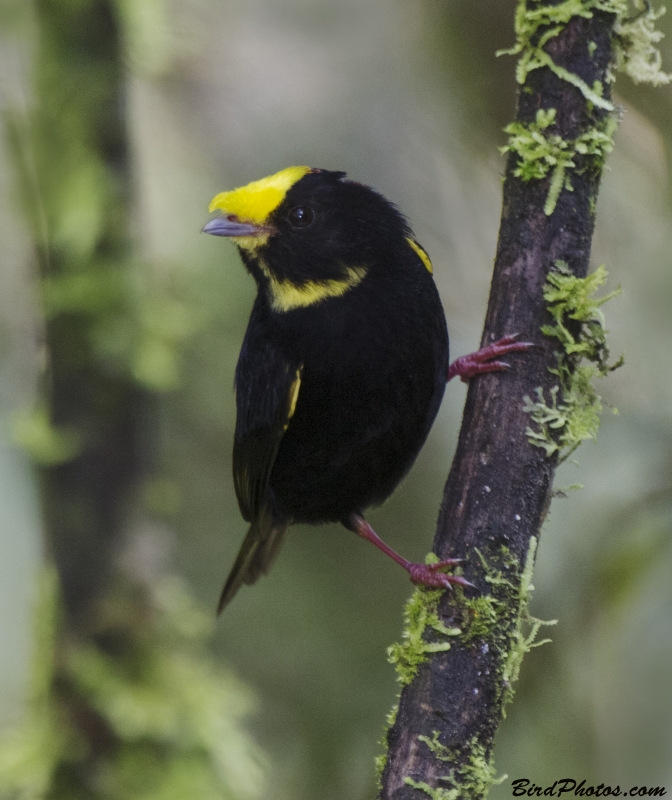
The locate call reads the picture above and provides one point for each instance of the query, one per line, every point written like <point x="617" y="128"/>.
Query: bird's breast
<point x="372" y="381"/>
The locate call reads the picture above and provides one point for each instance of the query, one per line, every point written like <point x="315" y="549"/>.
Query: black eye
<point x="300" y="217"/>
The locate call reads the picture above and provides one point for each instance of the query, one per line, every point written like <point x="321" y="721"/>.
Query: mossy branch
<point x="578" y="328"/>
<point x="455" y="688"/>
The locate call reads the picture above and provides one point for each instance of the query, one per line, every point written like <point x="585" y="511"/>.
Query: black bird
<point x="344" y="361"/>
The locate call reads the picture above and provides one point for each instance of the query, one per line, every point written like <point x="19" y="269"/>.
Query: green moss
<point x="440" y="751"/>
<point x="379" y="764"/>
<point x="420" y="616"/>
<point x="380" y="761"/>
<point x="536" y="25"/>
<point x="635" y="40"/>
<point x="541" y="153"/>
<point x="637" y="55"/>
<point x="476" y="775"/>
<point x="525" y="630"/>
<point x="482" y="614"/>
<point x="437" y="793"/>
<point x="501" y="623"/>
<point x="563" y="491"/>
<point x="571" y="412"/>
<point x="506" y="624"/>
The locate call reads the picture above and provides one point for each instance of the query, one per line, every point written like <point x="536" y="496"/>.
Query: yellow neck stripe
<point x="255" y="202"/>
<point x="421" y="252"/>
<point x="286" y="296"/>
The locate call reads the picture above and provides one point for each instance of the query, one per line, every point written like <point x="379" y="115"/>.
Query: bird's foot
<point x="430" y="575"/>
<point x="421" y="574"/>
<point x="481" y="361"/>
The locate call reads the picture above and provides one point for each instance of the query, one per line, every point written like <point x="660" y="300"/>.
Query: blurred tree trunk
<point x="83" y="192"/>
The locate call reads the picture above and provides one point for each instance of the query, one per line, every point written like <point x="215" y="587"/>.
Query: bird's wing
<point x="267" y="388"/>
<point x="266" y="396"/>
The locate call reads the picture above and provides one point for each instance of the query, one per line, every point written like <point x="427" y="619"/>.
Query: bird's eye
<point x="301" y="217"/>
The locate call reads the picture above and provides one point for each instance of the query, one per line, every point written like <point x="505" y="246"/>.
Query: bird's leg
<point x="481" y="361"/>
<point x="421" y="574"/>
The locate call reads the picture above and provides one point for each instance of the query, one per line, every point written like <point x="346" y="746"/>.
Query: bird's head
<point x="308" y="234"/>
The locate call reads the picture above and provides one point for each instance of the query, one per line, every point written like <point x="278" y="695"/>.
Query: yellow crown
<point x="256" y="201"/>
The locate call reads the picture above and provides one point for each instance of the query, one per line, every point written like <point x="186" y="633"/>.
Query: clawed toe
<point x="482" y="360"/>
<point x="428" y="575"/>
<point x="508" y="339"/>
<point x="460" y="581"/>
<point x="448" y="562"/>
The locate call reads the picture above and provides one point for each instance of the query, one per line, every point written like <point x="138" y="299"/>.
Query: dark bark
<point x="499" y="487"/>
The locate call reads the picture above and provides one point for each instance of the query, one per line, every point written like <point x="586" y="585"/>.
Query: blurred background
<point x="119" y="332"/>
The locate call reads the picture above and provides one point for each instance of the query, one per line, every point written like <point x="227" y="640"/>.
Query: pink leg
<point x="480" y="361"/>
<point x="422" y="574"/>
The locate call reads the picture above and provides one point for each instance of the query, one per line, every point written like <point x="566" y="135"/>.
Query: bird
<point x="343" y="365"/>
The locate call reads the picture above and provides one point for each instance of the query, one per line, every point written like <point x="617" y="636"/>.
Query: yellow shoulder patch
<point x="256" y="201"/>
<point x="421" y="252"/>
<point x="293" y="396"/>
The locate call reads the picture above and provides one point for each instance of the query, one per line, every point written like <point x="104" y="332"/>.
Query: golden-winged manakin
<point x="344" y="361"/>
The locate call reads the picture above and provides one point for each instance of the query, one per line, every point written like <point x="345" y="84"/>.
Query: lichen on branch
<point x="420" y="619"/>
<point x="573" y="415"/>
<point x="499" y="488"/>
<point x="477" y="775"/>
<point x="537" y="24"/>
<point x="497" y="621"/>
<point x="637" y="54"/>
<point x="634" y="36"/>
<point x="541" y="153"/>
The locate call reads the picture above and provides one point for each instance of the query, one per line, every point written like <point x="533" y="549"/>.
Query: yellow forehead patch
<point x="421" y="252"/>
<point x="254" y="202"/>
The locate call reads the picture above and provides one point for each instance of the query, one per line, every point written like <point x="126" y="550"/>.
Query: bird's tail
<point x="255" y="557"/>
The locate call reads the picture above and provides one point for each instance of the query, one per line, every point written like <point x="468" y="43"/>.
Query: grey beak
<point x="220" y="226"/>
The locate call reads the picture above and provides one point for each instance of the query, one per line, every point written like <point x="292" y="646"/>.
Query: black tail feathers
<point x="256" y="555"/>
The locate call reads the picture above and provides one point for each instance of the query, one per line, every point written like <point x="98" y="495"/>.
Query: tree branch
<point x="499" y="487"/>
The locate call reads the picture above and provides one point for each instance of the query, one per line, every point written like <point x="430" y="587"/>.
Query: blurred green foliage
<point x="125" y="702"/>
<point x="140" y="712"/>
<point x="46" y="444"/>
<point x="410" y="98"/>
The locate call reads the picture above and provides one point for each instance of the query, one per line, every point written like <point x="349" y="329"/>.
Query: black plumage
<point x="343" y="365"/>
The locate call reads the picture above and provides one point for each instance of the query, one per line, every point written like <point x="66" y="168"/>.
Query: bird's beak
<point x="221" y="226"/>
